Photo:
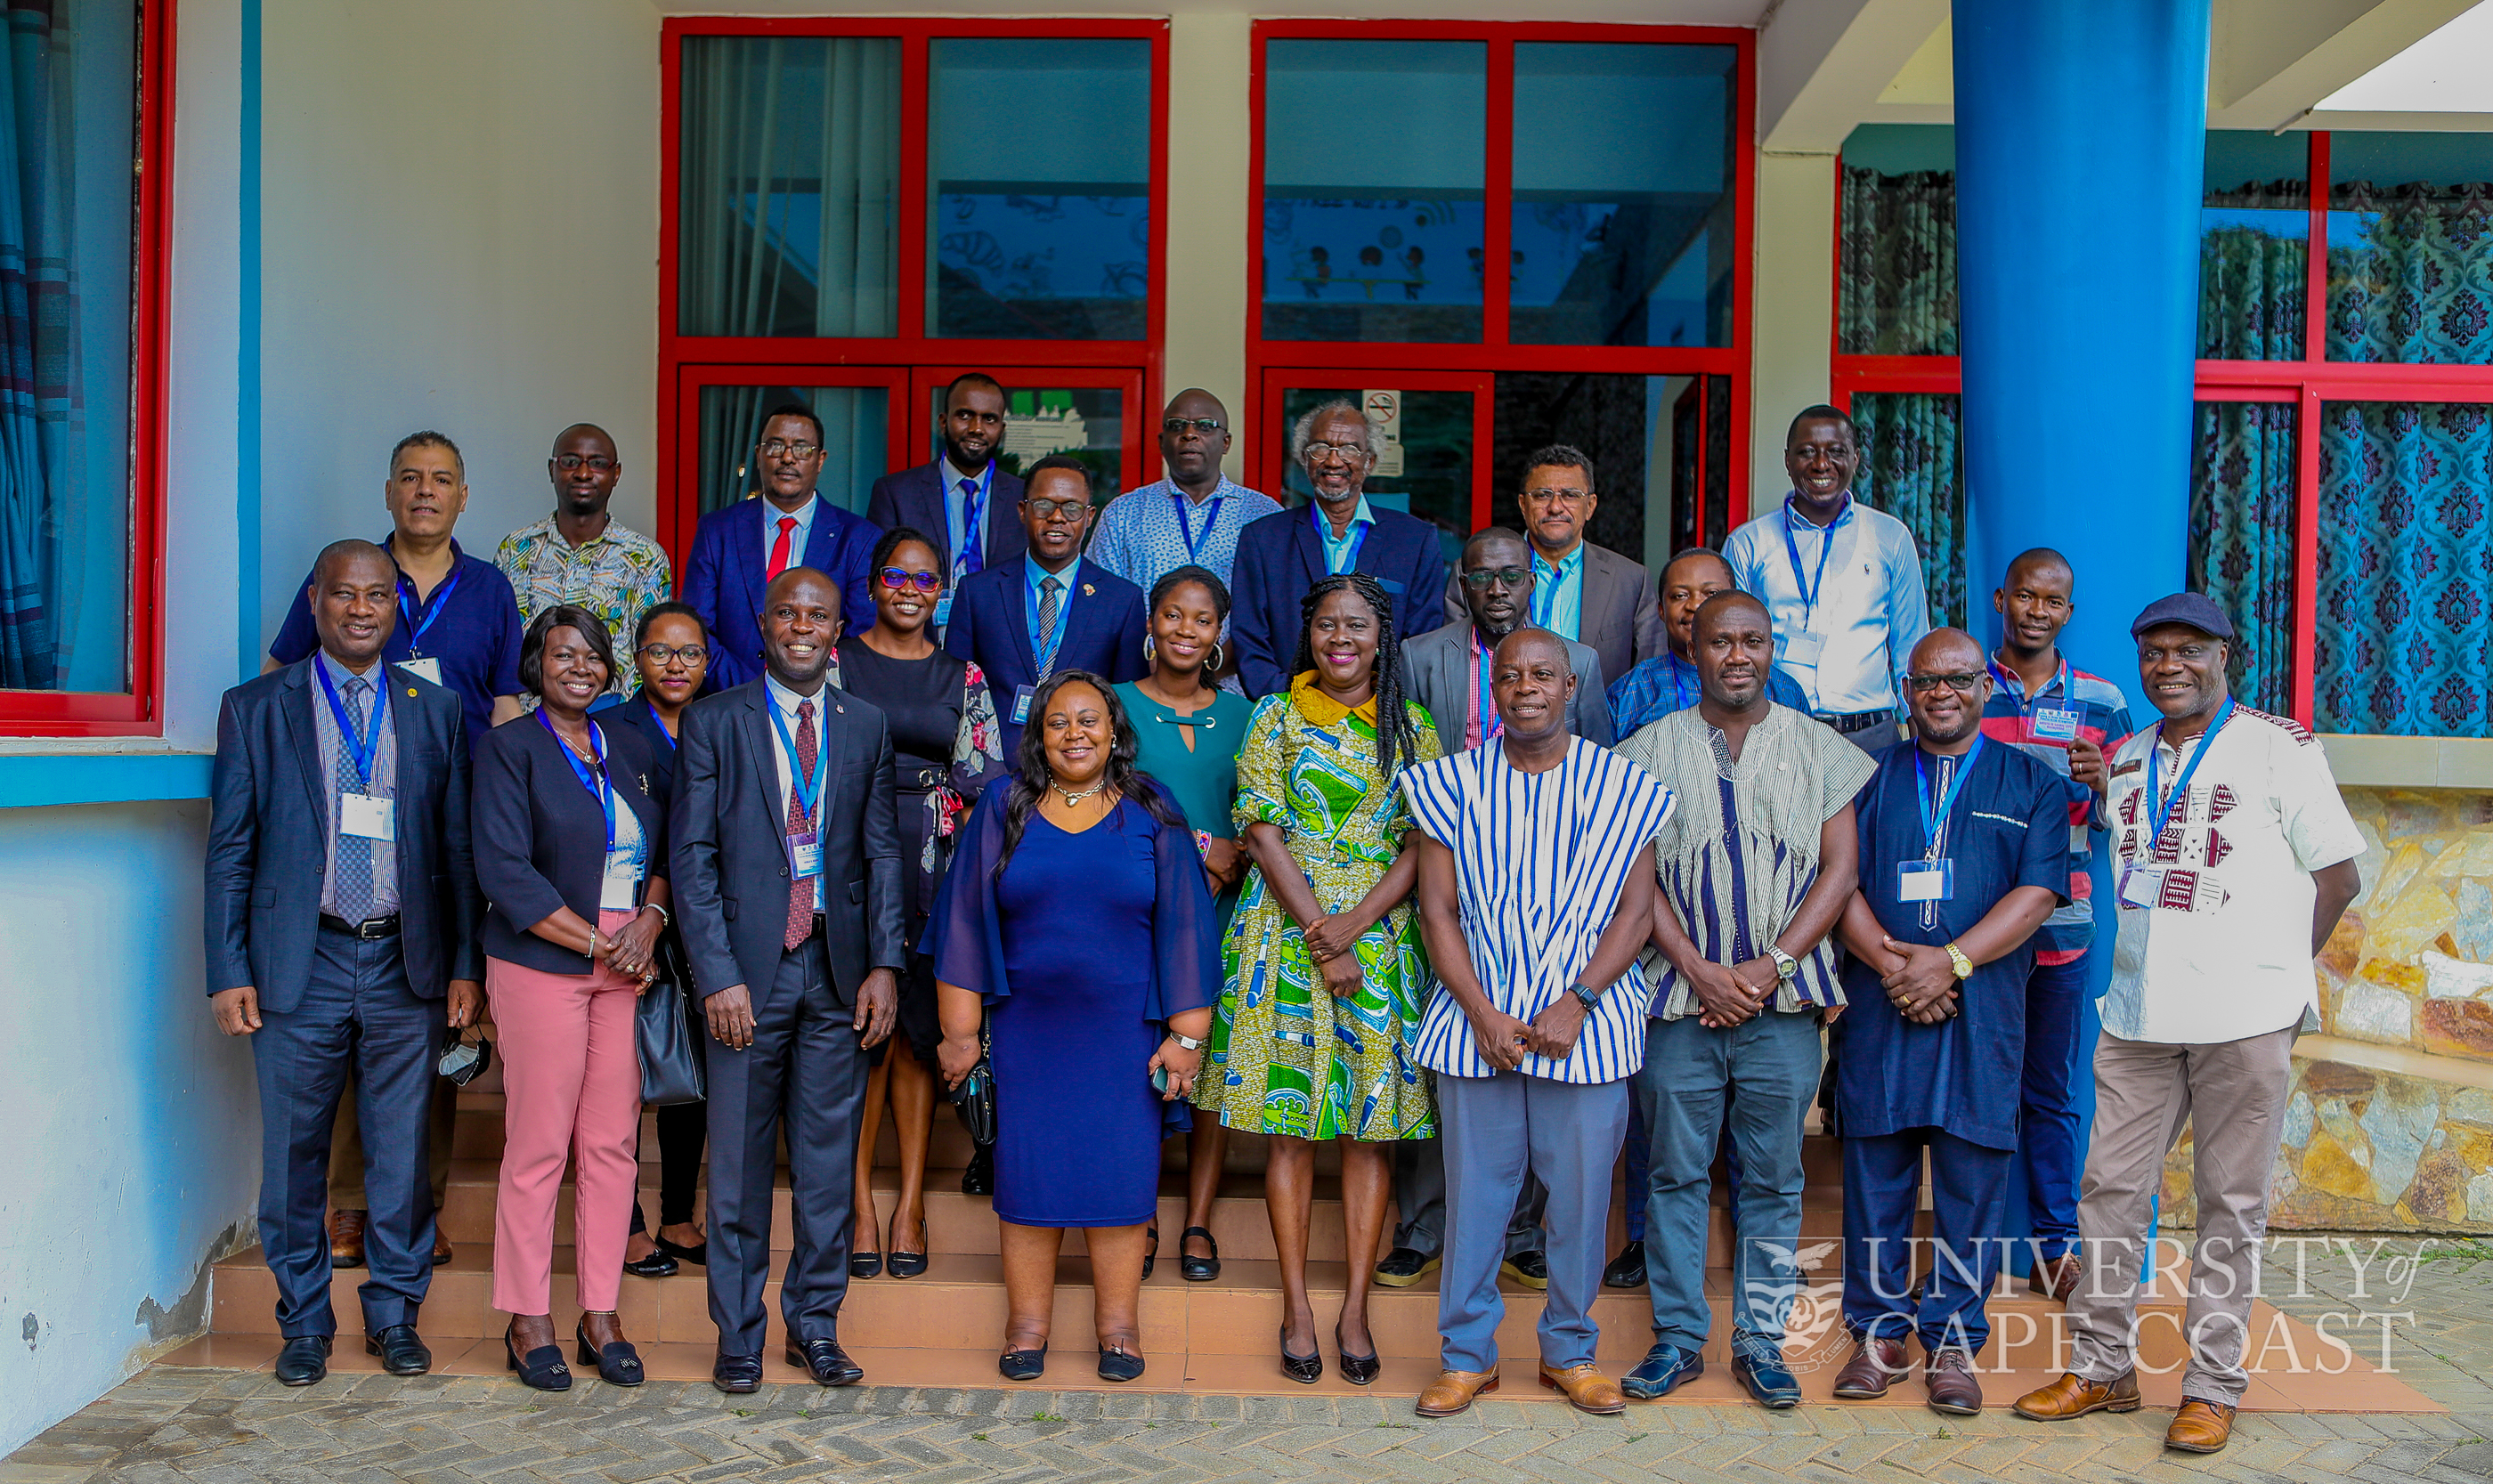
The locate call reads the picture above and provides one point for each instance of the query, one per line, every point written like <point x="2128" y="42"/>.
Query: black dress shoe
<point x="906" y="1265"/>
<point x="541" y="1368"/>
<point x="1195" y="1269"/>
<point x="1150" y="1253"/>
<point x="1627" y="1269"/>
<point x="696" y="1256"/>
<point x="1120" y="1365"/>
<point x="1306" y="1370"/>
<point x="1404" y="1266"/>
<point x="1357" y="1370"/>
<point x="402" y="1352"/>
<point x="830" y="1364"/>
<point x="657" y="1264"/>
<point x="304" y="1360"/>
<point x="1023" y="1365"/>
<point x="979" y="1178"/>
<point x="735" y="1375"/>
<point x="865" y="1265"/>
<point x="1529" y="1268"/>
<point x="617" y="1364"/>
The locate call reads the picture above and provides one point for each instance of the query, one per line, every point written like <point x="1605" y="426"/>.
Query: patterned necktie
<point x="779" y="553"/>
<point x="1048" y="588"/>
<point x="351" y="878"/>
<point x="973" y="516"/>
<point x="800" y="888"/>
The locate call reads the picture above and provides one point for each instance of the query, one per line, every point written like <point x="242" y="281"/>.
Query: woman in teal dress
<point x="1187" y="735"/>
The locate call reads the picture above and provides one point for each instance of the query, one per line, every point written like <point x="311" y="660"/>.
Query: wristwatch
<point x="1185" y="1042"/>
<point x="1585" y="995"/>
<point x="1785" y="965"/>
<point x="1957" y="960"/>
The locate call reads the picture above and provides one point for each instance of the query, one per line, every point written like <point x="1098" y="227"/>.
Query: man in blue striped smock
<point x="1536" y="893"/>
<point x="1756" y="868"/>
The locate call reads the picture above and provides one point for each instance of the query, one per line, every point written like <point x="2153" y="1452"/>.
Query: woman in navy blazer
<point x="571" y="845"/>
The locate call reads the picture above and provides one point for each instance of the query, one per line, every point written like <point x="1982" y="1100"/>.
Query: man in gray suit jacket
<point x="788" y="893"/>
<point x="1583" y="592"/>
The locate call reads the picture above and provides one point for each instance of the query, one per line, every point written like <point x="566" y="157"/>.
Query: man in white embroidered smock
<point x="1536" y="893"/>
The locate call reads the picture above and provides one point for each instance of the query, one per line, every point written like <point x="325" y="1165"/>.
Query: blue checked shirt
<point x="1140" y="538"/>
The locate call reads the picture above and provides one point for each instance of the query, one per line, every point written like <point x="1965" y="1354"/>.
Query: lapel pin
<point x="1088" y="590"/>
<point x="410" y="693"/>
<point x="644" y="783"/>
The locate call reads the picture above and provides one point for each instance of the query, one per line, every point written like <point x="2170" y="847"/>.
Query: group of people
<point x="1226" y="816"/>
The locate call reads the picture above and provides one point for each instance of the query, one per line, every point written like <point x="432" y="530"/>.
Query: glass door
<point x="1432" y="432"/>
<point x="861" y="407"/>
<point x="1091" y="414"/>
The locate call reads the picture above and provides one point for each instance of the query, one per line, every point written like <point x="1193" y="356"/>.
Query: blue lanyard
<point x="1544" y="596"/>
<point x="1935" y="822"/>
<point x="974" y="515"/>
<point x="432" y="611"/>
<point x="807" y="788"/>
<point x="360" y="750"/>
<point x="599" y="787"/>
<point x="1679" y="697"/>
<point x="2180" y="784"/>
<point x="1350" y="553"/>
<point x="661" y="720"/>
<point x="1492" y="725"/>
<point x="1185" y="528"/>
<point x="2025" y="704"/>
<point x="1043" y="646"/>
<point x="1809" y="590"/>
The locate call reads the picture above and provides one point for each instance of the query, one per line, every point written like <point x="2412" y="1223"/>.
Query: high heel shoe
<point x="1306" y="1370"/>
<point x="617" y="1364"/>
<point x="1357" y="1370"/>
<point x="864" y="1265"/>
<point x="543" y="1369"/>
<point x="906" y="1265"/>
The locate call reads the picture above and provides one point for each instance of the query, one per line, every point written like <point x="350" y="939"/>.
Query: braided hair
<point x="1394" y="733"/>
<point x="1032" y="777"/>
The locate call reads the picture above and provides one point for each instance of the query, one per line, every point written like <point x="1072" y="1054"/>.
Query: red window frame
<point x="2307" y="383"/>
<point x="687" y="362"/>
<point x="138" y="711"/>
<point x="1388" y="363"/>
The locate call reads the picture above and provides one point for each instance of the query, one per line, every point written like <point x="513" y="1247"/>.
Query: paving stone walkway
<point x="201" y="1426"/>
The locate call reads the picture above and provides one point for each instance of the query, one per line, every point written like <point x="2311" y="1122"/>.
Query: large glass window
<point x="1895" y="242"/>
<point x="855" y="435"/>
<point x="2410" y="248"/>
<point x="2243" y="465"/>
<point x="1909" y="447"/>
<point x="2254" y="225"/>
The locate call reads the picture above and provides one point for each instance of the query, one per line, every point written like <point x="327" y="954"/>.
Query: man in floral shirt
<point x="580" y="554"/>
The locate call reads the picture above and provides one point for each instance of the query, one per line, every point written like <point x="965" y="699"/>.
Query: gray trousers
<point x="1419" y="1193"/>
<point x="2145" y="1093"/>
<point x="1499" y="1131"/>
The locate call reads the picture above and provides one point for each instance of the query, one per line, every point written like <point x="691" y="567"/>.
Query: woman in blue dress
<point x="1075" y="923"/>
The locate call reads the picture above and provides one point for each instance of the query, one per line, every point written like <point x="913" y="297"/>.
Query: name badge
<point x="2056" y="724"/>
<point x="1022" y="697"/>
<point x="621" y="891"/>
<point x="942" y="610"/>
<point x="1804" y="647"/>
<point x="805" y="855"/>
<point x="2140" y="886"/>
<point x="367" y="817"/>
<point x="1926" y="880"/>
<point x="428" y="666"/>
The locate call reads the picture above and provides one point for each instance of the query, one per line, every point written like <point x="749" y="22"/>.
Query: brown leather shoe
<point x="1586" y="1389"/>
<point x="346" y="1239"/>
<point x="1955" y="1389"/>
<point x="2057" y="1279"/>
<point x="2200" y="1426"/>
<point x="1872" y="1370"/>
<point x="1452" y="1392"/>
<point x="2075" y="1396"/>
<point x="441" y="1246"/>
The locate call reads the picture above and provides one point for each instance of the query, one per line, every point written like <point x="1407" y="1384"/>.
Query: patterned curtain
<point x="2419" y="287"/>
<point x="2406" y="549"/>
<point x="41" y="416"/>
<point x="2241" y="539"/>
<point x="1910" y="446"/>
<point x="2251" y="282"/>
<point x="1897" y="267"/>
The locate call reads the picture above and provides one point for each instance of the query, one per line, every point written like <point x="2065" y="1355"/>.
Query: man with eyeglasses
<point x="738" y="551"/>
<point x="1280" y="556"/>
<point x="1191" y="517"/>
<point x="1964" y="853"/>
<point x="1580" y="591"/>
<point x="582" y="555"/>
<point x="2065" y="718"/>
<point x="965" y="500"/>
<point x="1842" y="581"/>
<point x="1050" y="611"/>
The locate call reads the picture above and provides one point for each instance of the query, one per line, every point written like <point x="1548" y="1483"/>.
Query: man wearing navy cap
<point x="2230" y="845"/>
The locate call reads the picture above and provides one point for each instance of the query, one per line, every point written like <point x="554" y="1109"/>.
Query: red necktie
<point x="779" y="550"/>
<point x="800" y="888"/>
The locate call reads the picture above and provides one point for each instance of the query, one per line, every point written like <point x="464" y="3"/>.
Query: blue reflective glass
<point x="1374" y="168"/>
<point x="2410" y="255"/>
<point x="2254" y="221"/>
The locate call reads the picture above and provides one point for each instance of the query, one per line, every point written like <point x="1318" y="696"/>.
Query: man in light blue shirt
<point x="1192" y="518"/>
<point x="1842" y="583"/>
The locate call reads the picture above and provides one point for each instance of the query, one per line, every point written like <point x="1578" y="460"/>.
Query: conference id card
<point x="942" y="610"/>
<point x="805" y="855"/>
<point x="1926" y="880"/>
<point x="2056" y="724"/>
<point x="2142" y="886"/>
<point x="620" y="890"/>
<point x="427" y="668"/>
<point x="1023" y="695"/>
<point x="366" y="818"/>
<point x="1804" y="648"/>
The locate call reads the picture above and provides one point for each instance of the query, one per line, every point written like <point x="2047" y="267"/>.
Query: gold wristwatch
<point x="1955" y="958"/>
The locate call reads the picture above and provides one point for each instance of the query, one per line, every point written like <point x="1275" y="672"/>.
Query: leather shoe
<point x="441" y="1247"/>
<point x="1872" y="1370"/>
<point x="1585" y="1388"/>
<point x="2200" y="1426"/>
<point x="1954" y="1388"/>
<point x="830" y="1364"/>
<point x="304" y="1361"/>
<point x="1404" y="1266"/>
<point x="1768" y="1382"/>
<point x="402" y="1351"/>
<point x="1529" y="1268"/>
<point x="735" y="1375"/>
<point x="2057" y="1279"/>
<point x="1662" y="1371"/>
<point x="1452" y="1392"/>
<point x="1627" y="1269"/>
<point x="978" y="1177"/>
<point x="346" y="1239"/>
<point x="2075" y="1396"/>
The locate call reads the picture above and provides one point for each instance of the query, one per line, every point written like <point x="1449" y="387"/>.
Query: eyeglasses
<point x="1206" y="426"/>
<point x="778" y="449"/>
<point x="571" y="464"/>
<point x="669" y="654"/>
<point x="1480" y="579"/>
<point x="1557" y="496"/>
<point x="1350" y="451"/>
<point x="897" y="577"/>
<point x="1962" y="684"/>
<point x="1048" y="510"/>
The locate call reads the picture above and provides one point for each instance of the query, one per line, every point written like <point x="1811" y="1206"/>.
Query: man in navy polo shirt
<point x="458" y="622"/>
<point x="2067" y="719"/>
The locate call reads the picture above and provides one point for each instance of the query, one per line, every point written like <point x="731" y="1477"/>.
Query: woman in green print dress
<point x="1325" y="978"/>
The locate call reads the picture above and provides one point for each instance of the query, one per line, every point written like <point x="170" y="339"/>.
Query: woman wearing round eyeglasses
<point x="947" y="746"/>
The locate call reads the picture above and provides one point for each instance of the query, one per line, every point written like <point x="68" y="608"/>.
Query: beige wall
<point x="1793" y="323"/>
<point x="1209" y="215"/>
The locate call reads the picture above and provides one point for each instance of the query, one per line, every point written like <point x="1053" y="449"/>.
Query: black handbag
<point x="669" y="1027"/>
<point x="974" y="1098"/>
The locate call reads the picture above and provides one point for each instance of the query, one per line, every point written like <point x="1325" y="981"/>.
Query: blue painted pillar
<point x="2080" y="136"/>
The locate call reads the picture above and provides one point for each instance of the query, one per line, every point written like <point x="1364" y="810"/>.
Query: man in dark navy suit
<point x="1281" y="555"/>
<point x="788" y="893"/>
<point x="1050" y="611"/>
<point x="964" y="491"/>
<point x="738" y="551"/>
<point x="341" y="915"/>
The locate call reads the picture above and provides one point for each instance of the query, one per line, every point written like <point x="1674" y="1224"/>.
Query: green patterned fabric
<point x="1898" y="264"/>
<point x="1287" y="1055"/>
<point x="1911" y="445"/>
<point x="2418" y="287"/>
<point x="2252" y="278"/>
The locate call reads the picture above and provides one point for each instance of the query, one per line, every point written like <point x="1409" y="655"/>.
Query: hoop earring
<point x="1150" y="651"/>
<point x="1212" y="662"/>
